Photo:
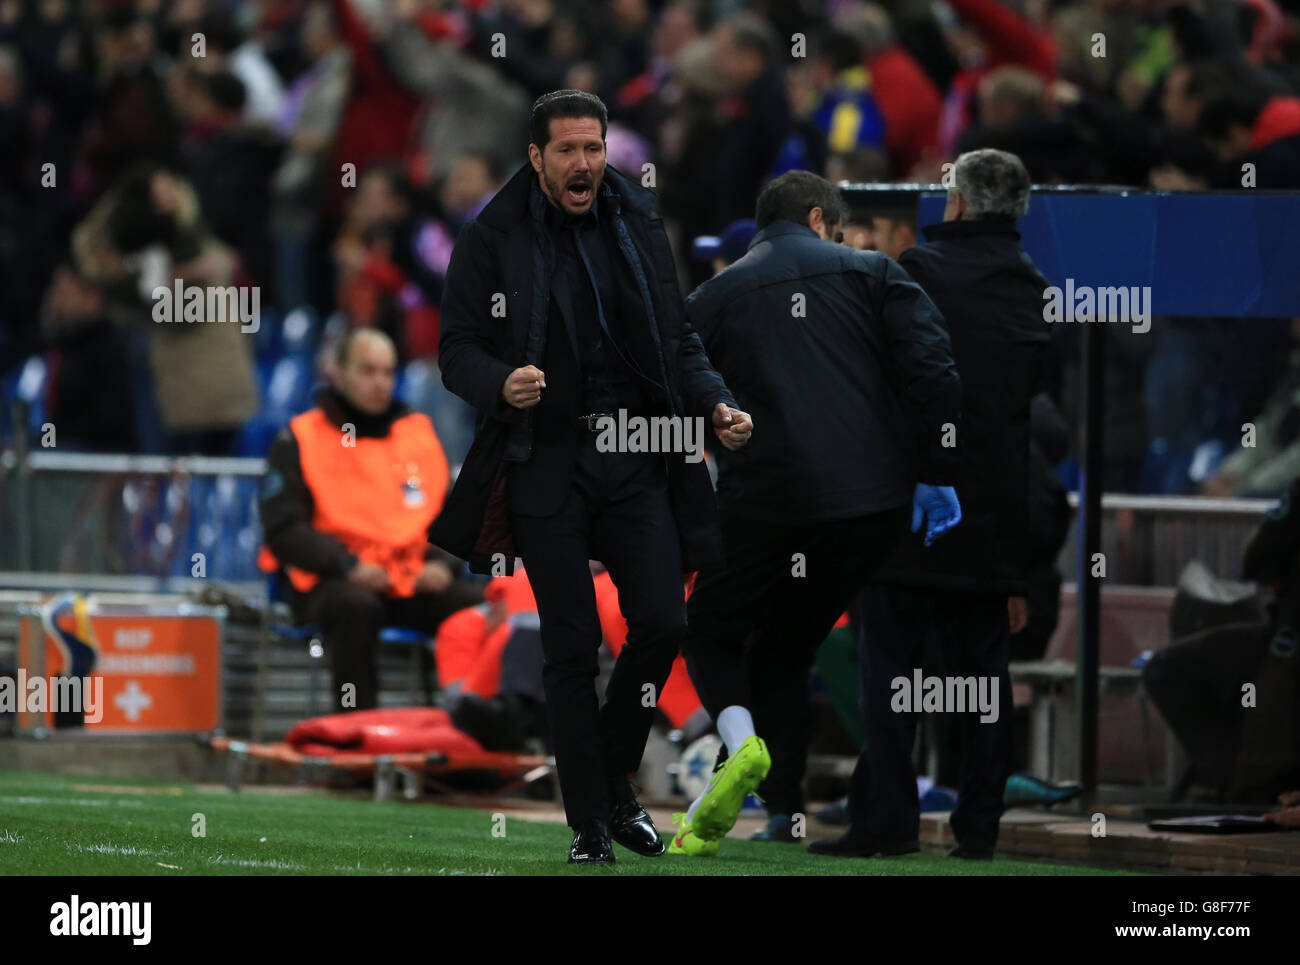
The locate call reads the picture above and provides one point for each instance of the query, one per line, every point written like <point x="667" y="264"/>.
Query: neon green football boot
<point x="738" y="778"/>
<point x="685" y="841"/>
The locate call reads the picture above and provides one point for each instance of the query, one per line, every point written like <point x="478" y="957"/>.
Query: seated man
<point x="1243" y="742"/>
<point x="350" y="490"/>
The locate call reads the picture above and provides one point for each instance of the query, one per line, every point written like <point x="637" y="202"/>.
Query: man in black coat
<point x="561" y="308"/>
<point x="964" y="595"/>
<point x="845" y="363"/>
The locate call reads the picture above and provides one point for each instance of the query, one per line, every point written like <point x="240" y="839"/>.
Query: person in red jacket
<point x="379" y="113"/>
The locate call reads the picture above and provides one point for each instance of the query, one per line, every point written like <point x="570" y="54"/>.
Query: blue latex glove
<point x="938" y="506"/>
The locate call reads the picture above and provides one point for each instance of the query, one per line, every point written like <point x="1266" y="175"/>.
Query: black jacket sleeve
<point x="701" y="384"/>
<point x="287" y="506"/>
<point x="466" y="353"/>
<point x="927" y="375"/>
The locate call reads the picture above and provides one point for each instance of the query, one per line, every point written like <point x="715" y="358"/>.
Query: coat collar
<point x="516" y="201"/>
<point x="946" y="230"/>
<point x="780" y="228"/>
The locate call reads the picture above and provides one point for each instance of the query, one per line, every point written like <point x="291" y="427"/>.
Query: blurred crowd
<point x="328" y="151"/>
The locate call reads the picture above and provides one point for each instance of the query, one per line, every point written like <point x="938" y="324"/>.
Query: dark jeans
<point x="789" y="605"/>
<point x="351" y="616"/>
<point x="969" y="636"/>
<point x="619" y="512"/>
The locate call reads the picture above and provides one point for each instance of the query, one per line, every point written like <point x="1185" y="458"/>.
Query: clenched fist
<point x="523" y="387"/>
<point x="731" y="426"/>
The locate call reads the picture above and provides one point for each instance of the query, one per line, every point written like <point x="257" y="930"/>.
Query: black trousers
<point x="969" y="635"/>
<point x="617" y="511"/>
<point x="1195" y="684"/>
<point x="786" y="584"/>
<point x="351" y="616"/>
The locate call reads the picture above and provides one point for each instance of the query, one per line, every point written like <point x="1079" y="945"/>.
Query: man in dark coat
<point x="966" y="593"/>
<point x="848" y="363"/>
<point x="561" y="307"/>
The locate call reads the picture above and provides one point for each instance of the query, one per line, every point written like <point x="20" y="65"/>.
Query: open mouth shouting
<point x="578" y="192"/>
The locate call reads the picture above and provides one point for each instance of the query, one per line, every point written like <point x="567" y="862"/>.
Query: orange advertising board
<point x="153" y="673"/>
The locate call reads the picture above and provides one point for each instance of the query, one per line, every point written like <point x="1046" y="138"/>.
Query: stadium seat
<point x="419" y="688"/>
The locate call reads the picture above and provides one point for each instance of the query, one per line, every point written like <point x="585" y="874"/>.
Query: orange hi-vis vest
<point x="376" y="496"/>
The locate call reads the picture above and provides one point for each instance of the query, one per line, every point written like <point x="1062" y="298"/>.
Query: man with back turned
<point x="846" y="366"/>
<point x="959" y="601"/>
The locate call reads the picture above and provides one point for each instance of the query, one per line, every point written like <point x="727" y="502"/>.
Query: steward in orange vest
<point x="373" y="492"/>
<point x="350" y="490"/>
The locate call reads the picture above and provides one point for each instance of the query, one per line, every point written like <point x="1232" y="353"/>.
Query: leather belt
<point x="591" y="419"/>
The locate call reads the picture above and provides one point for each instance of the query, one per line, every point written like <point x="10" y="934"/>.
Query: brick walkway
<point x="1040" y="835"/>
<point x="1130" y="844"/>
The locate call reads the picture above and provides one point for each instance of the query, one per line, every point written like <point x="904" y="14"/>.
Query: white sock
<point x="690" y="811"/>
<point x="735" y="725"/>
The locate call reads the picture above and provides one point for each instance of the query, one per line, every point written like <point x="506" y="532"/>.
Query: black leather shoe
<point x="971" y="852"/>
<point x="633" y="829"/>
<point x="851" y="846"/>
<point x="591" y="844"/>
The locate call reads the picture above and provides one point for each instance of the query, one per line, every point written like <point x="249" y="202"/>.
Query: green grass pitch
<point x="62" y="825"/>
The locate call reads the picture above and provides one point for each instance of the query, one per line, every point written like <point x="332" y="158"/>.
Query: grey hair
<point x="995" y="184"/>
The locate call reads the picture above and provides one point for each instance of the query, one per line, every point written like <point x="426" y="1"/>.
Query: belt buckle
<point x="589" y="420"/>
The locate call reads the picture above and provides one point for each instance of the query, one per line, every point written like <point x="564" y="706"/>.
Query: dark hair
<point x="220" y="31"/>
<point x="792" y="195"/>
<point x="838" y="48"/>
<point x="568" y="104"/>
<point x="1232" y="108"/>
<point x="701" y="14"/>
<point x="120" y="16"/>
<point x="1188" y="153"/>
<point x="134" y="223"/>
<point x="395" y="174"/>
<point x="1206" y="77"/>
<point x="226" y="90"/>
